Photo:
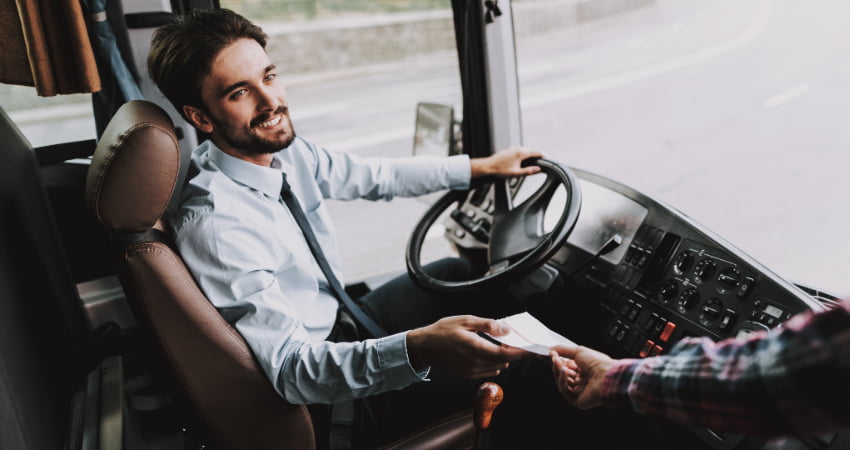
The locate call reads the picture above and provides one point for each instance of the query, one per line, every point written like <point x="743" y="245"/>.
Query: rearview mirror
<point x="435" y="130"/>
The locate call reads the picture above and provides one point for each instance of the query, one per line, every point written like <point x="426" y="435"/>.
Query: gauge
<point x="728" y="279"/>
<point x="704" y="270"/>
<point x="710" y="312"/>
<point x="688" y="299"/>
<point x="683" y="262"/>
<point x="667" y="292"/>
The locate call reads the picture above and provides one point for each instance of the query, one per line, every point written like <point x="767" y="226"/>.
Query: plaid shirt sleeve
<point x="795" y="379"/>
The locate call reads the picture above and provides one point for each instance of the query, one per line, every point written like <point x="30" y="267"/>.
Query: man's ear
<point x="198" y="118"/>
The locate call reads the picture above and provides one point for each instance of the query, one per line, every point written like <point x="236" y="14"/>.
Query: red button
<point x="656" y="350"/>
<point x="668" y="331"/>
<point x="647" y="347"/>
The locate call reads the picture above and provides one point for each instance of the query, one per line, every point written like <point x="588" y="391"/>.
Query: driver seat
<point x="133" y="174"/>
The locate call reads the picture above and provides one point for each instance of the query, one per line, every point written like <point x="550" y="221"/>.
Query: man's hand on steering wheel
<point x="505" y="163"/>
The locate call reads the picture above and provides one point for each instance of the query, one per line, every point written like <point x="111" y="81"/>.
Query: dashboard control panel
<point x="672" y="285"/>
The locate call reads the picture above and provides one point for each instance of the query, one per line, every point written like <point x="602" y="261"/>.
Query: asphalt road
<point x="733" y="111"/>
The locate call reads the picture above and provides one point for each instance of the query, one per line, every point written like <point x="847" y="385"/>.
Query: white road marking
<point x="758" y="25"/>
<point x="787" y="95"/>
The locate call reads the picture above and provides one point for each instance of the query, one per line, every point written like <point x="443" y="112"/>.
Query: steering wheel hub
<point x="517" y="244"/>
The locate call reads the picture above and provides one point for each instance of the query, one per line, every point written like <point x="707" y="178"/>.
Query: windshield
<point x="733" y="111"/>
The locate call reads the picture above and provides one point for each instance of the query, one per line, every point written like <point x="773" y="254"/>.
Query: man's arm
<point x="237" y="266"/>
<point x="347" y="176"/>
<point x="790" y="380"/>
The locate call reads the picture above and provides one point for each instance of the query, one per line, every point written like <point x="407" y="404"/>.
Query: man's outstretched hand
<point x="453" y="343"/>
<point x="579" y="373"/>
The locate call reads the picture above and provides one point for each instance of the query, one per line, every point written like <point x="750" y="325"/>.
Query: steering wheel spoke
<point x="498" y="266"/>
<point x="521" y="229"/>
<point x="502" y="202"/>
<point x="517" y="243"/>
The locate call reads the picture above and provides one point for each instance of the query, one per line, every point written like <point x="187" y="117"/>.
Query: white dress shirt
<point x="245" y="250"/>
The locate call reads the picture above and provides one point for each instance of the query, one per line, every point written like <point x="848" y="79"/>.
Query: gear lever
<point x="487" y="398"/>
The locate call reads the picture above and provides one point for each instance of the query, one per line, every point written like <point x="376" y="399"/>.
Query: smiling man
<point x="244" y="104"/>
<point x="243" y="243"/>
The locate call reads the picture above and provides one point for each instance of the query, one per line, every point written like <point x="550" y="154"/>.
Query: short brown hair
<point x="183" y="50"/>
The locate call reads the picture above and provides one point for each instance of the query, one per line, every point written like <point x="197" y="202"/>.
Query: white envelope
<point x="530" y="334"/>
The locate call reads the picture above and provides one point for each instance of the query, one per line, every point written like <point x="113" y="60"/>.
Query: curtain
<point x="44" y="43"/>
<point x="118" y="83"/>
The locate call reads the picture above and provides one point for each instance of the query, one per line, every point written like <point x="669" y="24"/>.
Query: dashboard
<point x="677" y="279"/>
<point x="668" y="278"/>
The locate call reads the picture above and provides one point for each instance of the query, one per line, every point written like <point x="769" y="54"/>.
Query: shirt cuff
<point x="460" y="172"/>
<point x="392" y="351"/>
<point x="615" y="386"/>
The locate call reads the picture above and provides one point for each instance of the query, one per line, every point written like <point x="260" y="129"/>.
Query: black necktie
<point x="359" y="315"/>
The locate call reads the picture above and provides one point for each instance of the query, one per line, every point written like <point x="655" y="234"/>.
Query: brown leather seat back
<point x="132" y="176"/>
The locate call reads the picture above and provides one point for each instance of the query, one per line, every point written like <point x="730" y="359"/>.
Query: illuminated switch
<point x="667" y="332"/>
<point x="656" y="350"/>
<point x="647" y="348"/>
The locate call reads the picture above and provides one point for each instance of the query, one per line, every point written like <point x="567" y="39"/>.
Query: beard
<point x="250" y="143"/>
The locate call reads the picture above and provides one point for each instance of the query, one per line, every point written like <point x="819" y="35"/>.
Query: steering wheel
<point x="517" y="244"/>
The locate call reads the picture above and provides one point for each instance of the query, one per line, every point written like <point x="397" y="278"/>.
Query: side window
<point x="49" y="120"/>
<point x="354" y="72"/>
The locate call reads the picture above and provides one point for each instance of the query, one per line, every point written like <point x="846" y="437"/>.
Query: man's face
<point x="245" y="108"/>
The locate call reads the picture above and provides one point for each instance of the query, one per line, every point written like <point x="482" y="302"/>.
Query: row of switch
<point x="651" y="322"/>
<point x="729" y="279"/>
<point x="658" y="326"/>
<point x="643" y="245"/>
<point x="650" y="349"/>
<point x="626" y="276"/>
<point x="628" y="336"/>
<point x="640" y="325"/>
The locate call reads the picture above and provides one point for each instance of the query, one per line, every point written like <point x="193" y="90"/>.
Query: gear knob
<point x="487" y="398"/>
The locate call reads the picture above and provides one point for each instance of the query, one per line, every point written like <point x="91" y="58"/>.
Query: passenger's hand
<point x="506" y="163"/>
<point x="453" y="343"/>
<point x="579" y="373"/>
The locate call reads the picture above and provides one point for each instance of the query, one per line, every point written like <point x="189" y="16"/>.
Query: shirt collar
<point x="267" y="180"/>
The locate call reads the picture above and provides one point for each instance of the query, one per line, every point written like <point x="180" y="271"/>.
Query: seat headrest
<point x="134" y="168"/>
